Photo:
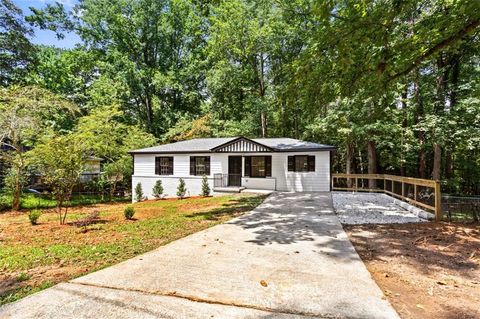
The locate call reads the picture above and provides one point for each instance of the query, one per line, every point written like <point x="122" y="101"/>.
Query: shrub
<point x="181" y="189"/>
<point x="157" y="190"/>
<point x="23" y="277"/>
<point x="129" y="212"/>
<point x="205" y="186"/>
<point x="34" y="215"/>
<point x="138" y="193"/>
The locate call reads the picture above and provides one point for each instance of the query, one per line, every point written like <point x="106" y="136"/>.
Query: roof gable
<point x="241" y="145"/>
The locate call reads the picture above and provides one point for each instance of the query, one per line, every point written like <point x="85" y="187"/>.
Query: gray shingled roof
<point x="205" y="145"/>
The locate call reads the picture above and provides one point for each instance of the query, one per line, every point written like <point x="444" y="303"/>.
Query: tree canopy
<point x="393" y="84"/>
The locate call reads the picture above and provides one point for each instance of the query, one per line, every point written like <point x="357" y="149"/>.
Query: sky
<point x="44" y="36"/>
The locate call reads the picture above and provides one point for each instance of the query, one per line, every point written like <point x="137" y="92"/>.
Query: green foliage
<point x="181" y="189"/>
<point x="105" y="134"/>
<point x="128" y="212"/>
<point x="26" y="114"/>
<point x="394" y="85"/>
<point x="157" y="190"/>
<point x="205" y="186"/>
<point x="17" y="53"/>
<point x="60" y="160"/>
<point x="139" y="193"/>
<point x="34" y="215"/>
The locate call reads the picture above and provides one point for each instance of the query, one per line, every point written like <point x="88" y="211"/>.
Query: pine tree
<point x="205" y="186"/>
<point x="181" y="189"/>
<point x="138" y="193"/>
<point x="157" y="190"/>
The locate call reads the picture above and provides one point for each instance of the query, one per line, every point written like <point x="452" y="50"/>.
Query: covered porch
<point x="235" y="183"/>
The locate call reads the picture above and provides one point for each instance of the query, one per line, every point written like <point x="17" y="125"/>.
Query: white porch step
<point x="229" y="189"/>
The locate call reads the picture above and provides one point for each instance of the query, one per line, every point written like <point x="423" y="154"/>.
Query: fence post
<point x="438" y="202"/>
<point x="415" y="192"/>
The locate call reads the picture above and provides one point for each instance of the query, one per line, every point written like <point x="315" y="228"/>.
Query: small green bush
<point x="205" y="186"/>
<point x="157" y="190"/>
<point x="34" y="215"/>
<point x="181" y="189"/>
<point x="129" y="212"/>
<point x="138" y="193"/>
<point x="23" y="277"/>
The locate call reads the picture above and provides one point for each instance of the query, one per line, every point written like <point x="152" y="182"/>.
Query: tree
<point x="154" y="48"/>
<point x="16" y="51"/>
<point x="157" y="190"/>
<point x="70" y="73"/>
<point x="205" y="186"/>
<point x="105" y="135"/>
<point x="138" y="193"/>
<point x="26" y="112"/>
<point x="60" y="159"/>
<point x="181" y="189"/>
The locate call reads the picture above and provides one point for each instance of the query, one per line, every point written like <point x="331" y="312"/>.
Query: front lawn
<point x="34" y="201"/>
<point x="35" y="257"/>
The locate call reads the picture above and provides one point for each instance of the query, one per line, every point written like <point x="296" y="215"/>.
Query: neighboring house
<point x="232" y="164"/>
<point x="91" y="172"/>
<point x="92" y="169"/>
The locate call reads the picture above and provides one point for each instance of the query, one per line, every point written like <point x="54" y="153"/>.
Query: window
<point x="301" y="163"/>
<point x="163" y="165"/>
<point x="200" y="165"/>
<point x="258" y="166"/>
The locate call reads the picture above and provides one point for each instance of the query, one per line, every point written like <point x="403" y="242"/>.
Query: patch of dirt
<point x="428" y="270"/>
<point x="37" y="276"/>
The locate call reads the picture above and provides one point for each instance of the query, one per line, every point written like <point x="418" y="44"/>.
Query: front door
<point x="234" y="171"/>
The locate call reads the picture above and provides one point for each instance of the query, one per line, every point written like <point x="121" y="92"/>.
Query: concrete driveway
<point x="289" y="258"/>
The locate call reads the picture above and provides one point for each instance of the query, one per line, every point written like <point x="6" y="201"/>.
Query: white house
<point x="233" y="164"/>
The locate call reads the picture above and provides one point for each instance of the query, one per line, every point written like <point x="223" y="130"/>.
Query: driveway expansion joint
<point x="207" y="301"/>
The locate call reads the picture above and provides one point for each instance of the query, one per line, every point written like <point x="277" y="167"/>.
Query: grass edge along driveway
<point x="33" y="258"/>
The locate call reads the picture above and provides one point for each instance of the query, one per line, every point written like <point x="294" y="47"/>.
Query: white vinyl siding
<point x="281" y="179"/>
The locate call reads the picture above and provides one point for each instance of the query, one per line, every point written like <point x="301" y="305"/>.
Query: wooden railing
<point x="423" y="193"/>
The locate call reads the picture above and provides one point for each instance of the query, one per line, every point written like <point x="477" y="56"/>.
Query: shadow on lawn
<point x="233" y="208"/>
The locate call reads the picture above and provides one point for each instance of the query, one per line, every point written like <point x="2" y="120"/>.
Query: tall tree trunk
<point x="17" y="190"/>
<point x="149" y="112"/>
<point x="348" y="162"/>
<point x="454" y="80"/>
<point x="372" y="162"/>
<point x="419" y="113"/>
<point x="437" y="161"/>
<point x="404" y="128"/>
<point x="439" y="108"/>
<point x="263" y="119"/>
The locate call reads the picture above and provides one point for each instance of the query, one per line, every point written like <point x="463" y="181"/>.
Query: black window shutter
<point x="311" y="163"/>
<point x="291" y="163"/>
<point x="248" y="165"/>
<point x="170" y="165"/>
<point x="192" y="165"/>
<point x="268" y="166"/>
<point x="207" y="165"/>
<point x="157" y="165"/>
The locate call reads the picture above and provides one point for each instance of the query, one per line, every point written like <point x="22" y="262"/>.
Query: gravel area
<point x="370" y="208"/>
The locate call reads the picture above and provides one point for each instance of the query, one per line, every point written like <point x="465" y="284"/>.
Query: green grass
<point x="27" y="250"/>
<point x="33" y="201"/>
